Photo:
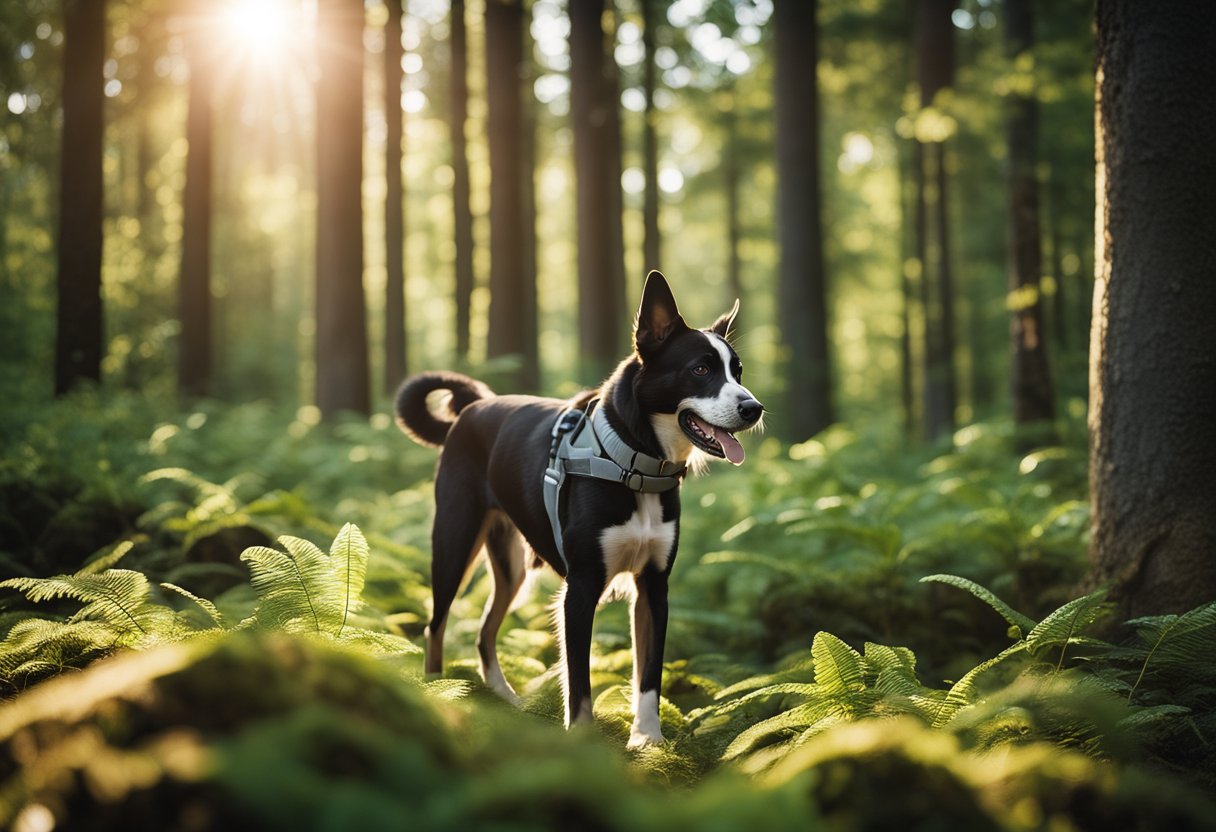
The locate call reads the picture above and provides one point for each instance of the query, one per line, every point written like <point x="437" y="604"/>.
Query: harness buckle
<point x="627" y="477"/>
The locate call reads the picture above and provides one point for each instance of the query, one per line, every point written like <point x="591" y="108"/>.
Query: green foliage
<point x="849" y="537"/>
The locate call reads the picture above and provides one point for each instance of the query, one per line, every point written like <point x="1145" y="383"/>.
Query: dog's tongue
<point x="730" y="446"/>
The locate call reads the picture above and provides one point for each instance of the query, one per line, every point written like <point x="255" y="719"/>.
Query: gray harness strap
<point x="587" y="446"/>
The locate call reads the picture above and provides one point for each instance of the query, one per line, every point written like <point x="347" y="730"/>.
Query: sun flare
<point x="257" y="28"/>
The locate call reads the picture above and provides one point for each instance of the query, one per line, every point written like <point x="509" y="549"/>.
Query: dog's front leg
<point x="649" y="636"/>
<point x="580" y="596"/>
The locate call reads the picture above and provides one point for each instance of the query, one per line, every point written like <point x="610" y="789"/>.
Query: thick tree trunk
<point x="195" y="302"/>
<point x="395" y="355"/>
<point x="509" y="318"/>
<point x="1153" y="353"/>
<point x="530" y="375"/>
<point x="935" y="72"/>
<point x="1033" y="398"/>
<point x="651" y="240"/>
<point x="79" y="319"/>
<point x="1059" y="304"/>
<point x="341" y="341"/>
<point x="463" y="214"/>
<point x="600" y="258"/>
<point x="802" y="288"/>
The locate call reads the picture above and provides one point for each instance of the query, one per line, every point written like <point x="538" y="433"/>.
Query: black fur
<point x="488" y="486"/>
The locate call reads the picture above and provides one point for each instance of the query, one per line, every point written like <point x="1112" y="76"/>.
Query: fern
<point x="119" y="597"/>
<point x="797" y="719"/>
<point x="838" y="669"/>
<point x="206" y="606"/>
<point x="1062" y="625"/>
<point x="304" y="589"/>
<point x="1174" y="637"/>
<point x="1023" y="624"/>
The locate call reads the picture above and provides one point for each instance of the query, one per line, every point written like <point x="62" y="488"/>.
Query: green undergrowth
<point x="862" y="635"/>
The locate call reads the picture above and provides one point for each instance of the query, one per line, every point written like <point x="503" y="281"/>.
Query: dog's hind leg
<point x="505" y="549"/>
<point x="649" y="635"/>
<point x="461" y="524"/>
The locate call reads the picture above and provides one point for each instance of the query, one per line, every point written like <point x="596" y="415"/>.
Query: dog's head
<point x="690" y="382"/>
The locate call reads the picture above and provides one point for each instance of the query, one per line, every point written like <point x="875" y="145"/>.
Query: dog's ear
<point x="723" y="325"/>
<point x="658" y="318"/>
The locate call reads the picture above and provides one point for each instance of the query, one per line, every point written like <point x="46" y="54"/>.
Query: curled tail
<point x="417" y="419"/>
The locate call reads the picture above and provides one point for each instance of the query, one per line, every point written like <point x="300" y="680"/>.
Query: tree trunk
<point x="908" y="253"/>
<point x="1153" y="355"/>
<point x="1033" y="398"/>
<point x="509" y="318"/>
<point x="463" y="219"/>
<point x="651" y="241"/>
<point x="195" y="302"/>
<point x="935" y="72"/>
<point x="802" y="293"/>
<point x="395" y="356"/>
<point x="600" y="257"/>
<point x="341" y="340"/>
<point x="1059" y="305"/>
<point x="530" y="374"/>
<point x="79" y="315"/>
<point x="734" y="233"/>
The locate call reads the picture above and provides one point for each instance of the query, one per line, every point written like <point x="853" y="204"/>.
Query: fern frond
<point x="796" y="719"/>
<point x="1062" y="625"/>
<point x="448" y="689"/>
<point x="961" y="692"/>
<point x="109" y="559"/>
<point x="1184" y="633"/>
<point x="1023" y="623"/>
<point x="212" y="611"/>
<point x="348" y="556"/>
<point x="880" y="657"/>
<point x="384" y="644"/>
<point x="117" y="596"/>
<point x="837" y="665"/>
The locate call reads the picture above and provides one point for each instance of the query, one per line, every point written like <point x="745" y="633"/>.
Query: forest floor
<point x="185" y="648"/>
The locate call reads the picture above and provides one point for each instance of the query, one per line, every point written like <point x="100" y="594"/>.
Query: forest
<point x="965" y="578"/>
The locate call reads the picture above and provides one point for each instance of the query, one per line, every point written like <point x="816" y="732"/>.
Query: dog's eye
<point x="700" y="370"/>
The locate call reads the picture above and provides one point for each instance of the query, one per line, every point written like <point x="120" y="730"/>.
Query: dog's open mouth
<point x="711" y="439"/>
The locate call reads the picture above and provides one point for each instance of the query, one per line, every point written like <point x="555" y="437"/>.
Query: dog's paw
<point x="639" y="739"/>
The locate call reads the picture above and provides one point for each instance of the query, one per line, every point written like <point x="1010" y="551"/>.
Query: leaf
<point x="961" y="692"/>
<point x="212" y="611"/>
<point x="837" y="665"/>
<point x="1061" y="626"/>
<point x="116" y="596"/>
<point x="1024" y="623"/>
<point x="109" y="559"/>
<point x="1173" y="630"/>
<point x="795" y="719"/>
<point x="289" y="586"/>
<point x="348" y="555"/>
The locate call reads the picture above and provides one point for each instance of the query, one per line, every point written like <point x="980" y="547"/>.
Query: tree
<point x="194" y="310"/>
<point x="512" y="325"/>
<point x="79" y="319"/>
<point x="802" y="287"/>
<point x="935" y="74"/>
<point x="463" y="214"/>
<point x="1033" y="399"/>
<point x="395" y="356"/>
<point x="593" y="107"/>
<point x="651" y="239"/>
<point x="341" y="341"/>
<point x="1153" y="355"/>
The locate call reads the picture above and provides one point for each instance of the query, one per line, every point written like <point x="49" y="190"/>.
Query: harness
<point x="585" y="445"/>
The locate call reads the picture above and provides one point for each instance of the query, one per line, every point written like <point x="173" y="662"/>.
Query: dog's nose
<point x="750" y="410"/>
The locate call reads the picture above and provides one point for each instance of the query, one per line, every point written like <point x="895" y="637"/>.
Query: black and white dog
<point x="678" y="396"/>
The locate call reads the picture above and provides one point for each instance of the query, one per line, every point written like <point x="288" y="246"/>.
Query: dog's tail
<point x="416" y="418"/>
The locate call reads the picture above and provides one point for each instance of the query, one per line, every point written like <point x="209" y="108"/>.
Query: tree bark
<point x="395" y="354"/>
<point x="651" y="239"/>
<point x="1033" y="397"/>
<point x="512" y="326"/>
<point x="935" y="72"/>
<point x="802" y="287"/>
<point x="463" y="214"/>
<point x="195" y="301"/>
<point x="600" y="257"/>
<point x="908" y="241"/>
<point x="1153" y="353"/>
<point x="79" y="314"/>
<point x="734" y="231"/>
<point x="341" y="341"/>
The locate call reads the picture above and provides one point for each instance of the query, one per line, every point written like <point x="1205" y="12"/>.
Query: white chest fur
<point x="641" y="540"/>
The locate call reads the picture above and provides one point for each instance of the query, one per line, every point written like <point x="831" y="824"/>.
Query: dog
<point x="611" y="510"/>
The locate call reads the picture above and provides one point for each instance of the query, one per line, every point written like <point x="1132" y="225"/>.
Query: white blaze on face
<point x="719" y="414"/>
